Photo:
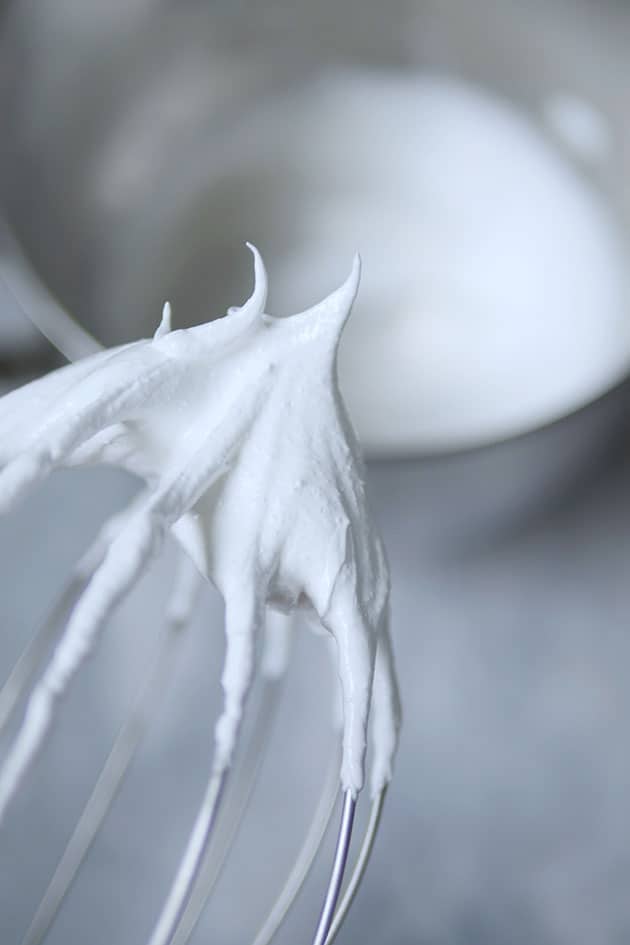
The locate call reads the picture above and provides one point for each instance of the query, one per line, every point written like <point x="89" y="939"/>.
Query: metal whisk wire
<point x="105" y="790"/>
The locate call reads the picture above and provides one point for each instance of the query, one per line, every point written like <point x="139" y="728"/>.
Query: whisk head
<point x="204" y="417"/>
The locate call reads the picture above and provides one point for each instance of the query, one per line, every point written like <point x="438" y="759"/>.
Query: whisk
<point x="238" y="430"/>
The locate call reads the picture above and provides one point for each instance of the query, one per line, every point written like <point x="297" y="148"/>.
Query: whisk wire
<point x="191" y="863"/>
<point x="105" y="790"/>
<point x="360" y="866"/>
<point x="233" y="812"/>
<point x="339" y="866"/>
<point x="29" y="663"/>
<point x="306" y="856"/>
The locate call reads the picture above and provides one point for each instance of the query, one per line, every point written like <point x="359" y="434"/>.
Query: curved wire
<point x="30" y="660"/>
<point x="339" y="865"/>
<point x="306" y="856"/>
<point x="190" y="864"/>
<point x="360" y="867"/>
<point x="37" y="304"/>
<point x="229" y="822"/>
<point x="105" y="790"/>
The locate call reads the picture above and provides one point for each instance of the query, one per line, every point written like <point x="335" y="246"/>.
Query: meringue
<point x="239" y="431"/>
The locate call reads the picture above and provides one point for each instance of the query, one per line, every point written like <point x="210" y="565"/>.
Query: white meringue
<point x="240" y="433"/>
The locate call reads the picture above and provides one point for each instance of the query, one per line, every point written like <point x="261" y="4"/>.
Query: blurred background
<point x="477" y="154"/>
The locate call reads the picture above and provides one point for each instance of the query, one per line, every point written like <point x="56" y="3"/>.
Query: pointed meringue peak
<point x="331" y="314"/>
<point x="255" y="305"/>
<point x="164" y="327"/>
